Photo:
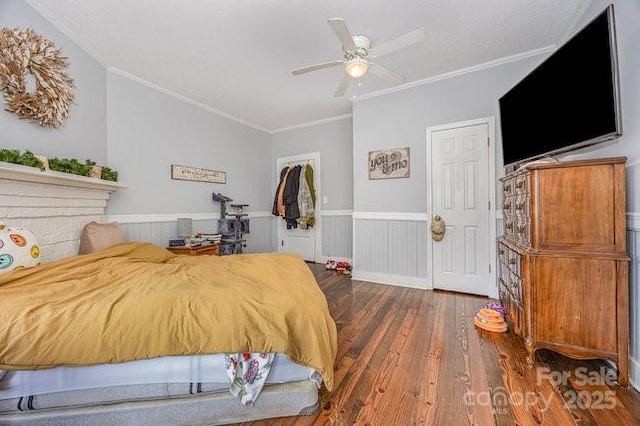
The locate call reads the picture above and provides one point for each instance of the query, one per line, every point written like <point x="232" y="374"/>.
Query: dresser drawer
<point x="521" y="207"/>
<point x="522" y="232"/>
<point x="508" y="188"/>
<point x="508" y="206"/>
<point x="509" y="227"/>
<point x="521" y="184"/>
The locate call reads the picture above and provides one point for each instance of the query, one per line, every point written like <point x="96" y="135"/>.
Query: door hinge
<point x="488" y="141"/>
<point x="282" y="243"/>
<point x="489" y="268"/>
<point x="489" y="204"/>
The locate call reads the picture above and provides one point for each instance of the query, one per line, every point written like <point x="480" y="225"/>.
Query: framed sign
<point x="196" y="174"/>
<point x="389" y="163"/>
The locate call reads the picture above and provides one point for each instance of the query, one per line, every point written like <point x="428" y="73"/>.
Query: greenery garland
<point x="65" y="165"/>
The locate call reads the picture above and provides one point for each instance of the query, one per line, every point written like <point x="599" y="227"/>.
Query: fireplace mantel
<point x="19" y="172"/>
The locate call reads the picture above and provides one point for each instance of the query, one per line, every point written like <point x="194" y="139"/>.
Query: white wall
<point x="84" y="134"/>
<point x="150" y="130"/>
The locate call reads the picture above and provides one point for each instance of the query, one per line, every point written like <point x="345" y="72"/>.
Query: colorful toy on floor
<point x="491" y="318"/>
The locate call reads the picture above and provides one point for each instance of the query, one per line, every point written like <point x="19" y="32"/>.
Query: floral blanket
<point x="247" y="374"/>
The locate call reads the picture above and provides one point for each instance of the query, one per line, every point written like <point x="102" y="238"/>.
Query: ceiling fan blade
<point x="316" y="67"/>
<point x="339" y="27"/>
<point x="386" y="74"/>
<point x="342" y="88"/>
<point x="405" y="40"/>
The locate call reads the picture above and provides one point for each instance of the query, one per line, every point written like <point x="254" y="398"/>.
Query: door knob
<point x="437" y="228"/>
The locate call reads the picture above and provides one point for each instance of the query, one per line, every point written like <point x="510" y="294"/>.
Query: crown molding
<point x="313" y="123"/>
<point x="183" y="98"/>
<point x="475" y="68"/>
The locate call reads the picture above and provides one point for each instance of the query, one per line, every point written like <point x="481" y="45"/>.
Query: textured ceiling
<point x="236" y="56"/>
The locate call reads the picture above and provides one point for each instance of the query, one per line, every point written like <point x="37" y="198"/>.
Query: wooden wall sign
<point x="389" y="163"/>
<point x="196" y="174"/>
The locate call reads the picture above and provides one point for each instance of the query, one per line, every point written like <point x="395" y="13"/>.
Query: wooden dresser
<point x="563" y="274"/>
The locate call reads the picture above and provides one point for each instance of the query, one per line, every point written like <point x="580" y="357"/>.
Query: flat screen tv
<point x="570" y="101"/>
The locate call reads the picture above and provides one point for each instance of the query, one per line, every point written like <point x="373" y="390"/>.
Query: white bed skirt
<point x="174" y="369"/>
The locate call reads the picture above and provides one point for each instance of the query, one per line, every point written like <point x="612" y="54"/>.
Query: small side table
<point x="203" y="250"/>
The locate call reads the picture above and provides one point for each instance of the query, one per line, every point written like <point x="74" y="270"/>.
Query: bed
<point x="134" y="334"/>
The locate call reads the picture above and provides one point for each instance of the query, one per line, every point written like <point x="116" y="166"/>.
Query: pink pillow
<point x="98" y="236"/>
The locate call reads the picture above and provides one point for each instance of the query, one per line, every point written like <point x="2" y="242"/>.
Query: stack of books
<point x="212" y="238"/>
<point x="195" y="241"/>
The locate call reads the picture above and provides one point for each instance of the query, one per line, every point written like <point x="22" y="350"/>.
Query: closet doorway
<point x="305" y="242"/>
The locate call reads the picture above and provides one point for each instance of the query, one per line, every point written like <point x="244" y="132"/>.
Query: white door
<point x="460" y="196"/>
<point x="305" y="242"/>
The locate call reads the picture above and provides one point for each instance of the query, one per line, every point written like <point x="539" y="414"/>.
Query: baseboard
<point x="389" y="279"/>
<point x="634" y="373"/>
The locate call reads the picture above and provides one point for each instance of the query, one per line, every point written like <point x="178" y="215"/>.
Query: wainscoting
<point x="337" y="234"/>
<point x="391" y="248"/>
<point x="158" y="229"/>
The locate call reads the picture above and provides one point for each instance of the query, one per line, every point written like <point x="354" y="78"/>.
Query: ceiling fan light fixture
<point x="357" y="67"/>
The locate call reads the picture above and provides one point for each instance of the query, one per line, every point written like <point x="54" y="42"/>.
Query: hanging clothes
<point x="278" y="205"/>
<point x="305" y="202"/>
<point x="290" y="195"/>
<point x="308" y="175"/>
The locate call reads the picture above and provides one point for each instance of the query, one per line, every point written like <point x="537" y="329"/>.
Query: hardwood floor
<point x="414" y="357"/>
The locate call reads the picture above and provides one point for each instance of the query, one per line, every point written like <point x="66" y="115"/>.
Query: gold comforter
<point x="138" y="301"/>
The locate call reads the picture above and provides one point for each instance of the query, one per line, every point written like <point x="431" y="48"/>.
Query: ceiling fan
<point x="359" y="55"/>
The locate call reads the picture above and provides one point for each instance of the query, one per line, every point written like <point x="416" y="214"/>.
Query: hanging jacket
<point x="308" y="175"/>
<point x="278" y="198"/>
<point x="305" y="203"/>
<point x="290" y="194"/>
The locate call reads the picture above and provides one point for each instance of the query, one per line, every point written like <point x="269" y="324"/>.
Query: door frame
<point x="492" y="289"/>
<point x="280" y="163"/>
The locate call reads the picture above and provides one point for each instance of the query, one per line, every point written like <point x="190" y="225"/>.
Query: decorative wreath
<point x="22" y="52"/>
